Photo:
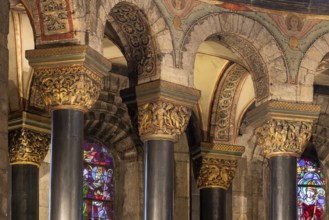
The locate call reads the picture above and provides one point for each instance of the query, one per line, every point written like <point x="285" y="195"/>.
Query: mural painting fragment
<point x="55" y="19"/>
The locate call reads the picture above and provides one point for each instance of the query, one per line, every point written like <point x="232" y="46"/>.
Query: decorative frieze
<point x="277" y="137"/>
<point x="28" y="146"/>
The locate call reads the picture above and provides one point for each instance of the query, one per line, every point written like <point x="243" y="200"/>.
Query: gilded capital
<point x="283" y="128"/>
<point x="283" y="137"/>
<point x="216" y="172"/>
<point x="216" y="164"/>
<point x="162" y="120"/>
<point x="27" y="146"/>
<point x="69" y="77"/>
<point x="164" y="109"/>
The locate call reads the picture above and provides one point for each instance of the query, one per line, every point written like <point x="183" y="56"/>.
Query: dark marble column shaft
<point x="213" y="203"/>
<point x="159" y="181"/>
<point x="25" y="192"/>
<point x="66" y="165"/>
<point x="283" y="188"/>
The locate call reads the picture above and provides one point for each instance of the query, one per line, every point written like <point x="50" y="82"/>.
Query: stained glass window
<point x="98" y="184"/>
<point x="311" y="193"/>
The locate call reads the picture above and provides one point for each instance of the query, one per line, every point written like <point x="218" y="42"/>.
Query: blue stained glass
<point x="98" y="183"/>
<point x="311" y="193"/>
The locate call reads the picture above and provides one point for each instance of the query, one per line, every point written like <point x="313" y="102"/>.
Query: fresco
<point x="302" y="6"/>
<point x="294" y="32"/>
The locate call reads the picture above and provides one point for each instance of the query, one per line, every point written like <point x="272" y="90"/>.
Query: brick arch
<point x="243" y="36"/>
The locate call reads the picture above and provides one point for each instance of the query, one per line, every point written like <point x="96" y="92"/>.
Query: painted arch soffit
<point x="224" y="104"/>
<point x="293" y="33"/>
<point x="130" y="27"/>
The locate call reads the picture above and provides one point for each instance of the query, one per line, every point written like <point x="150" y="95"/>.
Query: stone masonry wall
<point x="4" y="189"/>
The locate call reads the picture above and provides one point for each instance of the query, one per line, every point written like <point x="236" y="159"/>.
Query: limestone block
<point x="44" y="183"/>
<point x="255" y="31"/>
<point x="315" y="54"/>
<point x="322" y="46"/>
<point x="165" y="42"/>
<point x="177" y="76"/>
<point x="305" y="93"/>
<point x="182" y="179"/>
<point x="3" y="154"/>
<point x="284" y="92"/>
<point x="213" y="22"/>
<point x="262" y="38"/>
<point x="270" y="51"/>
<point x="309" y="79"/>
<point x="277" y="71"/>
<point x="247" y="27"/>
<point x="309" y="63"/>
<point x="158" y="26"/>
<point x="181" y="207"/>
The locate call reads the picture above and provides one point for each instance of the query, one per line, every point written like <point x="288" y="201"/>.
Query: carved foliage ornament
<point x="216" y="173"/>
<point x="255" y="63"/>
<point x="70" y="87"/>
<point x="222" y="108"/>
<point x="162" y="120"/>
<point x="134" y="24"/>
<point x="27" y="146"/>
<point x="283" y="137"/>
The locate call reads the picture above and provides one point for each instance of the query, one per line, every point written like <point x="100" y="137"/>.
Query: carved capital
<point x="27" y="146"/>
<point x="162" y="120"/>
<point x="67" y="87"/>
<point x="69" y="77"/>
<point x="164" y="109"/>
<point x="283" y="137"/>
<point x="216" y="172"/>
<point x="216" y="164"/>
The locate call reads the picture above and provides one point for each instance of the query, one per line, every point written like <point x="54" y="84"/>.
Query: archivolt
<point x="251" y="41"/>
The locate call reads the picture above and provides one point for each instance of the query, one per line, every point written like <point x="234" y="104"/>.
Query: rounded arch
<point x="243" y="36"/>
<point x="224" y="105"/>
<point x="108" y="121"/>
<point x="314" y="61"/>
<point x="149" y="48"/>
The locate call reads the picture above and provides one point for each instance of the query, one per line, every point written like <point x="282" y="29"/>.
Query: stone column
<point x="69" y="80"/>
<point x="164" y="110"/>
<point x="283" y="131"/>
<point x="29" y="140"/>
<point x="216" y="166"/>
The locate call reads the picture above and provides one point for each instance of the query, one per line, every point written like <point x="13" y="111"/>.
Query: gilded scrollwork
<point x="27" y="146"/>
<point x="142" y="48"/>
<point x="70" y="86"/>
<point x="216" y="173"/>
<point x="162" y="120"/>
<point x="283" y="137"/>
